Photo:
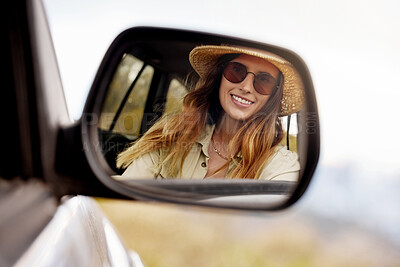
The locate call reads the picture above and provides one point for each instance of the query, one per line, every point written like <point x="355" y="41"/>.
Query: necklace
<point x="217" y="151"/>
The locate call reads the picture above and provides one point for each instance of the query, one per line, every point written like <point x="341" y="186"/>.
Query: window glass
<point x="130" y="117"/>
<point x="176" y="93"/>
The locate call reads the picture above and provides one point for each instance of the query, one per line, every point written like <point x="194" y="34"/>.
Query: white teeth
<point x="241" y="100"/>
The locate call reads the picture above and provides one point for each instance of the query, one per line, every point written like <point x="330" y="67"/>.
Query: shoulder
<point x="145" y="167"/>
<point x="282" y="165"/>
<point x="282" y="153"/>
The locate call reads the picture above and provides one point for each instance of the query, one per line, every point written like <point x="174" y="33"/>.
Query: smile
<point x="242" y="100"/>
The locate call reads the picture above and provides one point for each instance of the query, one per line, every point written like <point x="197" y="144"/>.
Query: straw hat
<point x="203" y="57"/>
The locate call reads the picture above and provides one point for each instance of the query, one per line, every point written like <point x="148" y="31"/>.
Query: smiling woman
<point x="229" y="125"/>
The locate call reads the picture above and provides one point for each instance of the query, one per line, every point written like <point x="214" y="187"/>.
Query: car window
<point x="176" y="93"/>
<point x="289" y="124"/>
<point x="125" y="102"/>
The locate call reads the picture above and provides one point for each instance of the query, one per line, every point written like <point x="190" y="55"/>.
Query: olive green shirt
<point x="282" y="165"/>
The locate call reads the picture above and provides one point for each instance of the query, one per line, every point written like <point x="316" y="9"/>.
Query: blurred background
<point x="350" y="215"/>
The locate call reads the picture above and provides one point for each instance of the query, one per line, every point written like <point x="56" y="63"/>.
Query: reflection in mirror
<point x="232" y="112"/>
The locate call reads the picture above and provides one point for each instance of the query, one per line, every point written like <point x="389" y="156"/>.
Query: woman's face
<point x="240" y="100"/>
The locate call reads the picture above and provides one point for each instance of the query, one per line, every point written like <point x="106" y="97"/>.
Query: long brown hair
<point x="176" y="134"/>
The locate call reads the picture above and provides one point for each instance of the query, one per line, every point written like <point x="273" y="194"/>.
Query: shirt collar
<point x="205" y="139"/>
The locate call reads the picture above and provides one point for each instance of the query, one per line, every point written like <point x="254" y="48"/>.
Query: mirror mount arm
<point x="75" y="177"/>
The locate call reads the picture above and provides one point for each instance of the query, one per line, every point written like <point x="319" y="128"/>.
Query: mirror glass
<point x="222" y="123"/>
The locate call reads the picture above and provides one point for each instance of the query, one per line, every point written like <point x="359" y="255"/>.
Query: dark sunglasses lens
<point x="264" y="84"/>
<point x="235" y="72"/>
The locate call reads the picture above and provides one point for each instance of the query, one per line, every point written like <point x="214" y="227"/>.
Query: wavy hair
<point x="176" y="134"/>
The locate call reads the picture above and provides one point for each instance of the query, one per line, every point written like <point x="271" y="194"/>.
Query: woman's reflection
<point x="229" y="125"/>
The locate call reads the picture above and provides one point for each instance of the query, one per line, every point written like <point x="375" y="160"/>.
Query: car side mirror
<point x="142" y="78"/>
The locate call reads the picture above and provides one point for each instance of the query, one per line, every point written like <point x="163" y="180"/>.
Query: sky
<point x="352" y="49"/>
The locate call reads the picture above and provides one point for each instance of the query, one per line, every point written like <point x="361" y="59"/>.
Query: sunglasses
<point x="263" y="83"/>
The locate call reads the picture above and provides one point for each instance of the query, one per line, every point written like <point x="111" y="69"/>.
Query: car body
<point x="78" y="220"/>
<point x="40" y="166"/>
